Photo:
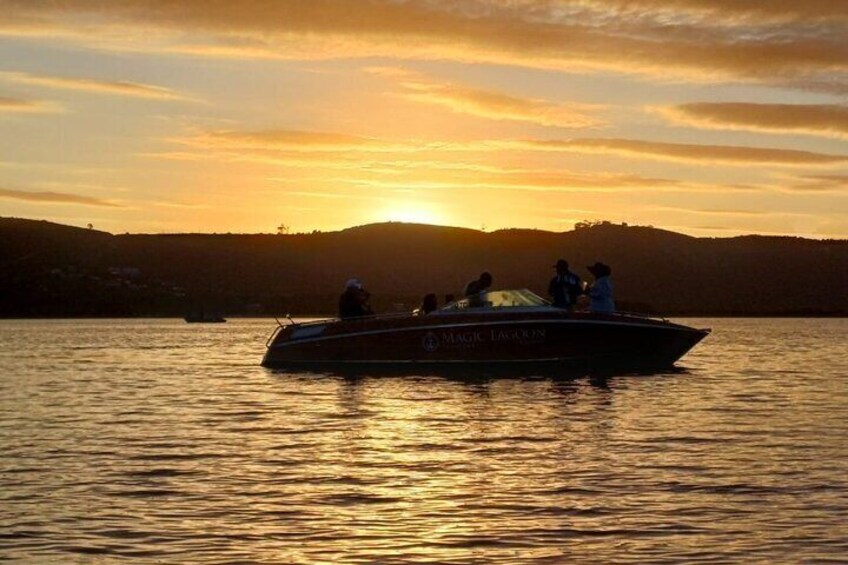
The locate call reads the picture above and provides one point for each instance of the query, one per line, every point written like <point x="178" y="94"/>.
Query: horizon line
<point x="602" y="224"/>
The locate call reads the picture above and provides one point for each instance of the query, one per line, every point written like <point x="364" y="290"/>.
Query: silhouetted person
<point x="429" y="304"/>
<point x="600" y="292"/>
<point x="475" y="287"/>
<point x="354" y="301"/>
<point x="565" y="287"/>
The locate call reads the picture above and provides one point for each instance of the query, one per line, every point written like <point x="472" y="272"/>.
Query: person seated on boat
<point x="429" y="304"/>
<point x="565" y="287"/>
<point x="353" y="302"/>
<point x="478" y="285"/>
<point x="600" y="292"/>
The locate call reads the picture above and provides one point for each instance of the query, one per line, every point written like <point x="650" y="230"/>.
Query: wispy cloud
<point x="734" y="11"/>
<point x="692" y="39"/>
<point x="56" y="198"/>
<point x="292" y="148"/>
<point x="491" y="104"/>
<point x="19" y="105"/>
<point x="817" y="183"/>
<point x="271" y="145"/>
<point x="433" y="176"/>
<point x="333" y="195"/>
<point x="117" y="88"/>
<point x="685" y="152"/>
<point x="286" y="140"/>
<point x="178" y="204"/>
<point x="714" y="211"/>
<point x="829" y="120"/>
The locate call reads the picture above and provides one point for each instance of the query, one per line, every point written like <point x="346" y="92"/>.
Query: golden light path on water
<point x="157" y="441"/>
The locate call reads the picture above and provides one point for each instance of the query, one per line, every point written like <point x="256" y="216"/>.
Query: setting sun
<point x="410" y="212"/>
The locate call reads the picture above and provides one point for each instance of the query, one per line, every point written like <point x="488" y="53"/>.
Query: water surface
<point x="161" y="442"/>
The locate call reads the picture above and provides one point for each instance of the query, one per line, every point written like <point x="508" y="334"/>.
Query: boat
<point x="201" y="318"/>
<point x="495" y="328"/>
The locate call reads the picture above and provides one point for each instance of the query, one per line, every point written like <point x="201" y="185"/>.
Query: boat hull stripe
<point x="294" y="342"/>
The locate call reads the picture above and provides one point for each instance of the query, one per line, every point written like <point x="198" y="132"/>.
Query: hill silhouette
<point x="49" y="269"/>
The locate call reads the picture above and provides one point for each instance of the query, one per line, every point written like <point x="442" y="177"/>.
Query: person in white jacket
<point x="600" y="292"/>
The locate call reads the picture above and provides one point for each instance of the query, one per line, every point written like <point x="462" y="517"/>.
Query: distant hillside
<point x="53" y="270"/>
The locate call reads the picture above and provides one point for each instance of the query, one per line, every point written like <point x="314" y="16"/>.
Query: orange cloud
<point x="120" y="88"/>
<point x="714" y="211"/>
<point x="685" y="152"/>
<point x="491" y="104"/>
<point x="735" y="11"/>
<point x="272" y="145"/>
<point x="819" y="183"/>
<point x="178" y="204"/>
<point x="18" y="105"/>
<point x="816" y="119"/>
<point x="56" y="198"/>
<point x="330" y="195"/>
<point x="428" y="173"/>
<point x="433" y="175"/>
<point x="685" y="38"/>
<point x="441" y="176"/>
<point x="285" y="140"/>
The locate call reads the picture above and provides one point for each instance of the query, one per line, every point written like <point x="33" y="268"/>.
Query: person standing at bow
<point x="601" y="290"/>
<point x="565" y="287"/>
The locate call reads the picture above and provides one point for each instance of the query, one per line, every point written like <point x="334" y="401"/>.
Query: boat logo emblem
<point x="430" y="342"/>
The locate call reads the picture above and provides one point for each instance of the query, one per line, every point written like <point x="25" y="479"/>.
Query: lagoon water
<point x="155" y="441"/>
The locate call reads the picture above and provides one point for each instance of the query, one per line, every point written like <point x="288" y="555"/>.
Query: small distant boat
<point x="496" y="328"/>
<point x="202" y="318"/>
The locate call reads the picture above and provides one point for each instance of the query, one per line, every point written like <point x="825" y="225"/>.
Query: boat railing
<point x="274" y="333"/>
<point x="389" y="316"/>
<point x="396" y="315"/>
<point x="288" y="321"/>
<point x="321" y="321"/>
<point x="640" y="315"/>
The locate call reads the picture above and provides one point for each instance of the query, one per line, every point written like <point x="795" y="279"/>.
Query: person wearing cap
<point x="565" y="287"/>
<point x="354" y="300"/>
<point x="600" y="292"/>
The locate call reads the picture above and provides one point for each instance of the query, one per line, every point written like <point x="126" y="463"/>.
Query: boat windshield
<point x="498" y="299"/>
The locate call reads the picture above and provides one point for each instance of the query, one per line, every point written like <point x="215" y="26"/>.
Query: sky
<point x="707" y="117"/>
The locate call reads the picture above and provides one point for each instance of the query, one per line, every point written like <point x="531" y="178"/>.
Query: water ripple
<point x="154" y="441"/>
